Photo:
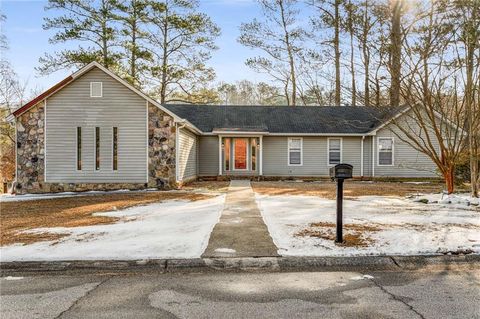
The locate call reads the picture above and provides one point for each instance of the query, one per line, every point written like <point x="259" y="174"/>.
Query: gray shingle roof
<point x="283" y="119"/>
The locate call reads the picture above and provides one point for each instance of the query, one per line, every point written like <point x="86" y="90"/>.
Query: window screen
<point x="334" y="151"/>
<point x="385" y="151"/>
<point x="295" y="151"/>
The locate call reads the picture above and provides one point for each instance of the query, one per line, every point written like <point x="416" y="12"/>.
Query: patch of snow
<point x="170" y="229"/>
<point x="15" y="198"/>
<point x="225" y="250"/>
<point x="362" y="277"/>
<point x="405" y="227"/>
<point x="12" y="278"/>
<point x="416" y="183"/>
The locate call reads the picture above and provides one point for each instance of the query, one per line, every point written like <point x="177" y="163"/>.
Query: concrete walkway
<point x="241" y="231"/>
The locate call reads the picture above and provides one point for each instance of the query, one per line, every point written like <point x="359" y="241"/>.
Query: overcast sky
<point x="28" y="41"/>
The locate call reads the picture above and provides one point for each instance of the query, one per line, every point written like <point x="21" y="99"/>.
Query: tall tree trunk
<point x="336" y="43"/>
<point x="133" y="57"/>
<point x="163" y="84"/>
<point x="290" y="56"/>
<point x="395" y="52"/>
<point x="366" y="54"/>
<point x="449" y="177"/>
<point x="352" y="64"/>
<point x="471" y="44"/>
<point x="104" y="13"/>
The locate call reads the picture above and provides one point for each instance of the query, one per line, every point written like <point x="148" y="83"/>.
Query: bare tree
<point x="279" y="38"/>
<point x="433" y="125"/>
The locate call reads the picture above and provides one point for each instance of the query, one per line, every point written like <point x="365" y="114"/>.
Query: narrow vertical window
<point x="115" y="148"/>
<point x="226" y="150"/>
<point x="97" y="148"/>
<point x="79" y="148"/>
<point x="253" y="145"/>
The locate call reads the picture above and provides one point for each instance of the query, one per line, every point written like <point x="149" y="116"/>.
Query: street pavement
<point x="426" y="293"/>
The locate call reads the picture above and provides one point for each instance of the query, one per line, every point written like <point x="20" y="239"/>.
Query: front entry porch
<point x="240" y="155"/>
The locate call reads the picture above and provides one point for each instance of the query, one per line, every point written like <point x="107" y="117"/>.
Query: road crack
<point x="396" y="298"/>
<point x="81" y="298"/>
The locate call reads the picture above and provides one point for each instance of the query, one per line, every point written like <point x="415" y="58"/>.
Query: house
<point x="94" y="131"/>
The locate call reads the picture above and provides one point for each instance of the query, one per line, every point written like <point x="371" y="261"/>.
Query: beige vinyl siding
<point x="315" y="156"/>
<point x="73" y="107"/>
<point x="208" y="155"/>
<point x="408" y="162"/>
<point x="367" y="156"/>
<point x="187" y="156"/>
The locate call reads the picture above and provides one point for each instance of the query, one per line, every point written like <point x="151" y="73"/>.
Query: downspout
<point x="373" y="156"/>
<point x="177" y="149"/>
<point x="361" y="159"/>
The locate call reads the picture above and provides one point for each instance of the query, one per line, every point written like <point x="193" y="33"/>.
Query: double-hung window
<point x="295" y="151"/>
<point x="385" y="151"/>
<point x="334" y="151"/>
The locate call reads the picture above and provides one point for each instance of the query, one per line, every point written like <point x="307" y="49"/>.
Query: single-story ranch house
<point x="94" y="131"/>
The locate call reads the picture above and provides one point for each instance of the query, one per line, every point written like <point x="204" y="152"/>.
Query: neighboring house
<point x="94" y="131"/>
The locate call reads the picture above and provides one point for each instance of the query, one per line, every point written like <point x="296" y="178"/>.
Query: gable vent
<point x="96" y="89"/>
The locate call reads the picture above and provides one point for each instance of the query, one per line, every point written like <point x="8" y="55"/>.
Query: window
<point x="96" y="89"/>
<point x="97" y="148"/>
<point x="115" y="149"/>
<point x="385" y="151"/>
<point x="253" y="152"/>
<point x="79" y="148"/>
<point x="226" y="150"/>
<point x="334" y="151"/>
<point x="295" y="151"/>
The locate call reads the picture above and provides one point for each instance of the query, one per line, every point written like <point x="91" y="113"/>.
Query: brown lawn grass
<point x="352" y="189"/>
<point x="16" y="217"/>
<point x="354" y="234"/>
<point x="216" y="186"/>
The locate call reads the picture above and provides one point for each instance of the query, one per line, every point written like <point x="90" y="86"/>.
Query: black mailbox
<point x="341" y="171"/>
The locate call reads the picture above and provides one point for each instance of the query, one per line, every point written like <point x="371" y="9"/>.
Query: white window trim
<point x="328" y="149"/>
<point x="91" y="89"/>
<point x="378" y="150"/>
<point x="234" y="140"/>
<point x="301" y="151"/>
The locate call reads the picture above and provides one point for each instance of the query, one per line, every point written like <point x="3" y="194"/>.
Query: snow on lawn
<point x="391" y="225"/>
<point x="171" y="229"/>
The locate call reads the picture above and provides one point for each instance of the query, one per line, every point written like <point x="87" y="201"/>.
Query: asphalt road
<point x="387" y="294"/>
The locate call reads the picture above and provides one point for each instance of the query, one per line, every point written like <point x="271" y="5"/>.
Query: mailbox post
<point x="339" y="173"/>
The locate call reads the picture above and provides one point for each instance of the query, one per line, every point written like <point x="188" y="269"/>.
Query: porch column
<point x="260" y="164"/>
<point x="219" y="155"/>
<point x="361" y="160"/>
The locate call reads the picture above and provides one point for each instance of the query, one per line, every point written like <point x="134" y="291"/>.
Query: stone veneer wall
<point x="31" y="159"/>
<point x="161" y="148"/>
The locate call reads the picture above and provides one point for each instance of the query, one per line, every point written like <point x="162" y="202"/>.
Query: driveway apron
<point x="241" y="231"/>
